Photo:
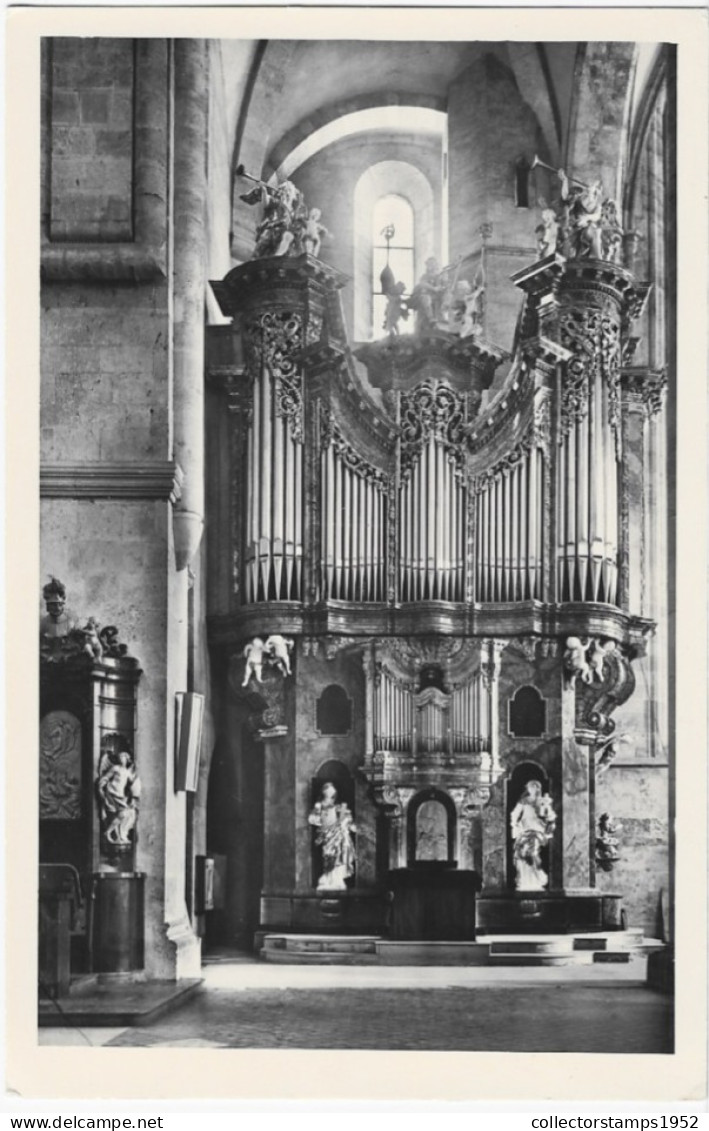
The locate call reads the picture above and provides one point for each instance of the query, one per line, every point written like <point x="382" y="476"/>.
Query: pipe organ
<point x="273" y="558"/>
<point x="353" y="501"/>
<point x="588" y="459"/>
<point x="456" y="550"/>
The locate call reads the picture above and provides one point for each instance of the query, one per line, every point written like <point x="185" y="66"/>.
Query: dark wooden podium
<point x="434" y="904"/>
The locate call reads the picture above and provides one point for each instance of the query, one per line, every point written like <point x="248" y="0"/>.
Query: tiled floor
<point x="253" y="1005"/>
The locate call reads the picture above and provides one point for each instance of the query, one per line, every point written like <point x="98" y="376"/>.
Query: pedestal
<point x="118" y="922"/>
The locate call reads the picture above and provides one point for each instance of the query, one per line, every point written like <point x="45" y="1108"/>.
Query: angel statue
<point x="313" y="233"/>
<point x="118" y="788"/>
<point x="397" y="307"/>
<point x="254" y="655"/>
<point x="532" y="824"/>
<point x="277" y="649"/>
<point x="335" y="828"/>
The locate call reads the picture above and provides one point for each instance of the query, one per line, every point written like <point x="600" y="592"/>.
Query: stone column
<point x="189" y="283"/>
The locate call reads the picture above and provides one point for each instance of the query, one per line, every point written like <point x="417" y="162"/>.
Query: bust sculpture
<point x="335" y="828"/>
<point x="58" y="621"/>
<point x="532" y="824"/>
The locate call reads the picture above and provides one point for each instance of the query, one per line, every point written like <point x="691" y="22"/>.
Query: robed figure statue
<point x="335" y="829"/>
<point x="532" y="823"/>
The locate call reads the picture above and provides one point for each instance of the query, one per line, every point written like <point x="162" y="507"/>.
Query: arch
<point x="385" y="178"/>
<point x="444" y="819"/>
<point x="333" y="711"/>
<point x="526" y="713"/>
<point x="382" y="111"/>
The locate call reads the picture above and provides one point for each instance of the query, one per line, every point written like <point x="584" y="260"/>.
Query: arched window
<point x="415" y="215"/>
<point x="392" y="244"/>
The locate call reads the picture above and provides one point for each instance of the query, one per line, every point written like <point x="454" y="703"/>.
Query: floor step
<point x="321" y="944"/>
<point x="572" y="958"/>
<point x="318" y="958"/>
<point x="563" y="945"/>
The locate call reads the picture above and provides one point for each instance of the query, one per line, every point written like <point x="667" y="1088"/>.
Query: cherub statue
<point x="335" y="829"/>
<point x="575" y="659"/>
<point x="547" y="233"/>
<point x="313" y="233"/>
<point x="596" y="657"/>
<point x="532" y="824"/>
<point x="606" y="843"/>
<point x="277" y="649"/>
<point x="254" y="653"/>
<point x="118" y="788"/>
<point x="396" y="307"/>
<point x="92" y="644"/>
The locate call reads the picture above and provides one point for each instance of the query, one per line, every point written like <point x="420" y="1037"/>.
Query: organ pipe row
<point x="587" y="503"/>
<point x="432" y="525"/>
<point x="509" y="532"/>
<point x="507" y="536"/>
<point x="354" y="526"/>
<point x="274" y="500"/>
<point x="455" y="723"/>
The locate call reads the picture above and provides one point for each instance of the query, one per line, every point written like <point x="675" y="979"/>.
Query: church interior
<point x="357" y="382"/>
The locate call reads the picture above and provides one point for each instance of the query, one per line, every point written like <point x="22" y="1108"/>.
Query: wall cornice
<point x="154" y="480"/>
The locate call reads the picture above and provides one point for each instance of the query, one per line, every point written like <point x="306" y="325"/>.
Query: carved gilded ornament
<point x="537" y="435"/>
<point x="60" y="767"/>
<point x="592" y="334"/>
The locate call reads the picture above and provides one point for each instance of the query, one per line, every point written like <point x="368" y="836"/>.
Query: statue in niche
<point x="427" y="297"/>
<point x="118" y="788"/>
<point x="313" y="233"/>
<point x="607" y="853"/>
<point x="532" y="824"/>
<point x="335" y="836"/>
<point x="431" y="831"/>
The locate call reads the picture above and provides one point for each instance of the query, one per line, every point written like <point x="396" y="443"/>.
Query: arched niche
<point x="527" y="713"/>
<point x="333" y="711"/>
<point x="431" y="830"/>
<point x="336" y="772"/>
<point x="522" y="773"/>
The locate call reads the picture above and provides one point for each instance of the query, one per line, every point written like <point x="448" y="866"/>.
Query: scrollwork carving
<point x="432" y="409"/>
<point x="331" y="433"/>
<point x="275" y="339"/>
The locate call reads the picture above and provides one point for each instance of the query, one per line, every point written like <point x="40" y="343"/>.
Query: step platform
<point x="588" y="949"/>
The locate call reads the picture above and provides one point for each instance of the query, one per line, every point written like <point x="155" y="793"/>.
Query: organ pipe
<point x="587" y="506"/>
<point x="274" y="531"/>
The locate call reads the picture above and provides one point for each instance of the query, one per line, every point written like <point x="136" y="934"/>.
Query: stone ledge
<point x="155" y="480"/>
<point x="122" y="1003"/>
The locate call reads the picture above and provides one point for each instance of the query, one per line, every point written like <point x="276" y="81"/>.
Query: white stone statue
<point x="466" y="314"/>
<point x="118" y="788"/>
<point x="532" y="823"/>
<point x="335" y="829"/>
<point x="547" y="233"/>
<point x="313" y="232"/>
<point x="254" y="653"/>
<point x="575" y="659"/>
<point x="92" y="644"/>
<point x="277" y="650"/>
<point x="582" y="210"/>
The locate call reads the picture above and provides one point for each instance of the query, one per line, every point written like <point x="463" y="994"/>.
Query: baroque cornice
<point x="98" y="480"/>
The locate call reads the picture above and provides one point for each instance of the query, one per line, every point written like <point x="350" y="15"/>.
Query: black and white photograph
<point x="358" y="571"/>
